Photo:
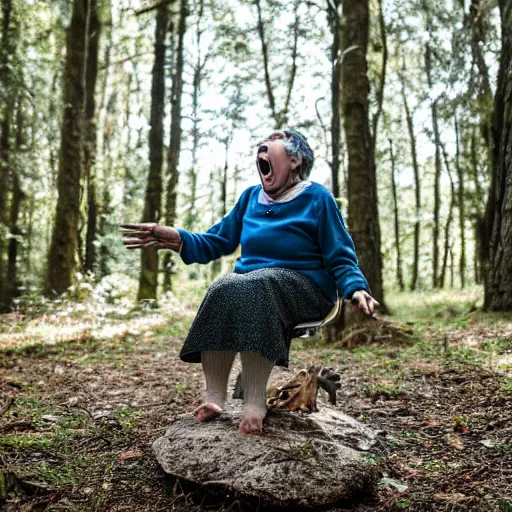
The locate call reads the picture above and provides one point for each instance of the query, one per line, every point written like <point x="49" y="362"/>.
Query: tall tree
<point x="462" y="206"/>
<point x="173" y="155"/>
<point x="448" y="241"/>
<point x="334" y="19"/>
<point x="89" y="135"/>
<point x="63" y="248"/>
<point x="363" y="214"/>
<point x="498" y="282"/>
<point x="148" y="280"/>
<point x="382" y="79"/>
<point x="6" y="49"/>
<point x="437" y="145"/>
<point x="399" y="274"/>
<point x="417" y="182"/>
<point x="104" y="135"/>
<point x="479" y="222"/>
<point x="279" y="115"/>
<point x="475" y="22"/>
<point x="198" y="76"/>
<point x="16" y="200"/>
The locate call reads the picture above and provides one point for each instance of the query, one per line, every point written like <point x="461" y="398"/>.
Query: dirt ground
<point x="78" y="413"/>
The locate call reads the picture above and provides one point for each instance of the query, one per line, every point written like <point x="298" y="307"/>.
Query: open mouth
<point x="264" y="166"/>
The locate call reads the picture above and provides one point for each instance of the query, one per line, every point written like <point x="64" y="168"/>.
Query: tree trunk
<point x="28" y="227"/>
<point x="478" y="221"/>
<point x="216" y="267"/>
<point x="382" y="80"/>
<point x="399" y="275"/>
<point x="105" y="112"/>
<point x="148" y="280"/>
<point x="280" y="116"/>
<point x="498" y="281"/>
<point x="437" y="176"/>
<point x="475" y="20"/>
<point x="334" y="14"/>
<point x="191" y="214"/>
<point x="447" y="238"/>
<point x="173" y="155"/>
<point x="417" y="182"/>
<point x="91" y="74"/>
<point x="64" y="244"/>
<point x="17" y="197"/>
<point x="474" y="23"/>
<point x="462" y="207"/>
<point x="106" y="199"/>
<point x="5" y="126"/>
<point x="128" y="191"/>
<point x="363" y="215"/>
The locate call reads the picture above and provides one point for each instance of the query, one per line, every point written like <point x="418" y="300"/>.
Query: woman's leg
<point x="216" y="367"/>
<point x="255" y="373"/>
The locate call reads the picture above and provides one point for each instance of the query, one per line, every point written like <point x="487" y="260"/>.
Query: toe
<point x="206" y="412"/>
<point x="251" y="425"/>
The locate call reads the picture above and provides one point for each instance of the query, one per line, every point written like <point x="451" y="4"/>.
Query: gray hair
<point x="295" y="144"/>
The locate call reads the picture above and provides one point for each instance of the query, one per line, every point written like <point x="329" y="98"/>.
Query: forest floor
<point x="85" y="392"/>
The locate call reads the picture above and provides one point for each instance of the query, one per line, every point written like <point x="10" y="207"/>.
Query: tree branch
<point x="153" y="7"/>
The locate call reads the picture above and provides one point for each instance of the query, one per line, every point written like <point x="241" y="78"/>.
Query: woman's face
<point x="275" y="167"/>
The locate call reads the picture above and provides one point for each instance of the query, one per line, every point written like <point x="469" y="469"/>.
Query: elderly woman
<point x="296" y="257"/>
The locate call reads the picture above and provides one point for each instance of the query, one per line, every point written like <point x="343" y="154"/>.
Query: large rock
<point x="300" y="461"/>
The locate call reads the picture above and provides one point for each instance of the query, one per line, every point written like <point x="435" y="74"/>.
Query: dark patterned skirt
<point x="255" y="312"/>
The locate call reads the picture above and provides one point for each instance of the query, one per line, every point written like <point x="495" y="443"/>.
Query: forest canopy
<point x="127" y="111"/>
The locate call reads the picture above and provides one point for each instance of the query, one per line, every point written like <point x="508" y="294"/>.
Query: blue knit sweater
<point x="306" y="234"/>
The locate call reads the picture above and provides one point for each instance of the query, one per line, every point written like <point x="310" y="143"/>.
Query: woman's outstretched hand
<point x="140" y="236"/>
<point x="364" y="301"/>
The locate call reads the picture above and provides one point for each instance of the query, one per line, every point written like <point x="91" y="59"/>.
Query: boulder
<point x="301" y="461"/>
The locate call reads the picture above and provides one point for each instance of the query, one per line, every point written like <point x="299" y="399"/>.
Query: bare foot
<point x="252" y="422"/>
<point x="207" y="411"/>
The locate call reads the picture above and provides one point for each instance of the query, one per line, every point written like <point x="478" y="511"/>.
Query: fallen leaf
<point x="50" y="418"/>
<point x="130" y="455"/>
<point x="456" y="442"/>
<point x="399" y="486"/>
<point x="457" y="496"/>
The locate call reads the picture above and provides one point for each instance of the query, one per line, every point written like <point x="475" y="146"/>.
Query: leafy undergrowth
<point x="80" y="411"/>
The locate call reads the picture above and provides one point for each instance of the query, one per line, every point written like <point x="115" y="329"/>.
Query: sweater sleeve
<point x="221" y="239"/>
<point x="338" y="249"/>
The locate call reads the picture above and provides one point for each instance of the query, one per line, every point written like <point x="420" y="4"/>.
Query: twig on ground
<point x="8" y="404"/>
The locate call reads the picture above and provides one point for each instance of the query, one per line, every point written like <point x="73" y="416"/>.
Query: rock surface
<point x="300" y="461"/>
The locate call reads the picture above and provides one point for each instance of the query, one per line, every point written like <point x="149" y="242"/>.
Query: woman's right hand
<point x="141" y="236"/>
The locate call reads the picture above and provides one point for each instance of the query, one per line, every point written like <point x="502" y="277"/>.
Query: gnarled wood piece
<point x="300" y="392"/>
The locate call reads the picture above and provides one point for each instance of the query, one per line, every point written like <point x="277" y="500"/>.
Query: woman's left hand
<point x="365" y="302"/>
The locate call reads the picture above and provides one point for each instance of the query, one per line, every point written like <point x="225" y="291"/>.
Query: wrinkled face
<point x="275" y="166"/>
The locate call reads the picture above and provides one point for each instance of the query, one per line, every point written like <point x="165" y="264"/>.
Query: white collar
<point x="288" y="195"/>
